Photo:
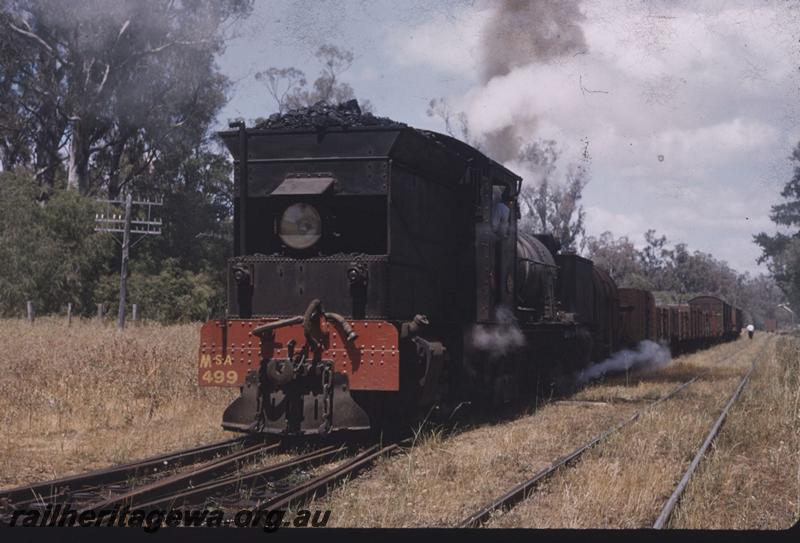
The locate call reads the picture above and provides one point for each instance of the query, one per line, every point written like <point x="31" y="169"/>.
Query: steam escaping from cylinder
<point x="498" y="339"/>
<point x="648" y="355"/>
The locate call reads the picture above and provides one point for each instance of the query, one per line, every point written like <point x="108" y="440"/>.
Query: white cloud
<point x="447" y="42"/>
<point x="599" y="220"/>
<point x="716" y="144"/>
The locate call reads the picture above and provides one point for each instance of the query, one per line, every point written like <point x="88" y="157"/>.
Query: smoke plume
<point x="647" y="355"/>
<point x="522" y="33"/>
<point x="500" y="339"/>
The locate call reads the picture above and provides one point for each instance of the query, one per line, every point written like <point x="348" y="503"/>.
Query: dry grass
<point x="624" y="483"/>
<point x="442" y="479"/>
<point x="751" y="478"/>
<point x="88" y="396"/>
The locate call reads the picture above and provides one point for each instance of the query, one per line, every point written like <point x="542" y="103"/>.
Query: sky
<point x="690" y="109"/>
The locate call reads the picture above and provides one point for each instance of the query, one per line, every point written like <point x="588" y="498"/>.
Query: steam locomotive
<point x="379" y="273"/>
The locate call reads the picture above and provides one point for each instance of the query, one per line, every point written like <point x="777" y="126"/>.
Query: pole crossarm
<point x="143" y="225"/>
<point x="157" y="202"/>
<point x="133" y="230"/>
<point x="115" y="222"/>
<point x="102" y="219"/>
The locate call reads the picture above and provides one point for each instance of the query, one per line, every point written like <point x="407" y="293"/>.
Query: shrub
<point x="49" y="254"/>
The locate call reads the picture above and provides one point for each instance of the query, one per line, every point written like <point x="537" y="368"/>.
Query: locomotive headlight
<point x="300" y="226"/>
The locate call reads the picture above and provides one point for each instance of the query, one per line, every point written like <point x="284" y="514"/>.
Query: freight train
<point x="379" y="273"/>
<point x="698" y="324"/>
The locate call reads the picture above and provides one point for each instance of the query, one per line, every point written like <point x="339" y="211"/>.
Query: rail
<point x="669" y="506"/>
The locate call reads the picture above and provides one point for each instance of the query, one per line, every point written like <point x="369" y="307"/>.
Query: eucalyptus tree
<point x="103" y="89"/>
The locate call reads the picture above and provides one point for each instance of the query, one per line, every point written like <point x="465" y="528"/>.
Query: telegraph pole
<point x="127" y="225"/>
<point x="123" y="272"/>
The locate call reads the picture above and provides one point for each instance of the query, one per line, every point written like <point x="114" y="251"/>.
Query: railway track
<point x="228" y="480"/>
<point x="27" y="496"/>
<point x="267" y="488"/>
<point x="669" y="506"/>
<point x="524" y="489"/>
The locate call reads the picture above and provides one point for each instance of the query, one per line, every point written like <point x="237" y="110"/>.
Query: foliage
<point x="676" y="275"/>
<point x="282" y="83"/>
<point x="197" y="210"/>
<point x="172" y="295"/>
<point x="50" y="254"/>
<point x="781" y="251"/>
<point x="118" y="83"/>
<point x="548" y="205"/>
<point x="619" y="257"/>
<point x="440" y="107"/>
<point x="288" y="87"/>
<point x="189" y="256"/>
<point x="108" y="97"/>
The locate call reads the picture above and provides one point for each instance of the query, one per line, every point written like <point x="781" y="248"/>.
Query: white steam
<point x="647" y="355"/>
<point x="501" y="338"/>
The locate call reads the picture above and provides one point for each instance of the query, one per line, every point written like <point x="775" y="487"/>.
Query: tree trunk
<point x="50" y="130"/>
<point x="77" y="176"/>
<point x="113" y="173"/>
<point x="47" y="160"/>
<point x="72" y="170"/>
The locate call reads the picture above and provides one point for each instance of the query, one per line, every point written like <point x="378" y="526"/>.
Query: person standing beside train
<point x="750" y="330"/>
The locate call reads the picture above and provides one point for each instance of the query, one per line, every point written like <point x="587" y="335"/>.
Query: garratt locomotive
<point x="379" y="272"/>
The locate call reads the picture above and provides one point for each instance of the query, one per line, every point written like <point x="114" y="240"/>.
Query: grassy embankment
<point x="88" y="396"/>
